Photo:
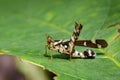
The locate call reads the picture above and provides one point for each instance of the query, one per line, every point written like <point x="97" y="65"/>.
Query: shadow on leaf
<point x="65" y="56"/>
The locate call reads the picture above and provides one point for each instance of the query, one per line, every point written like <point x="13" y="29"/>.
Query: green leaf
<point x="24" y="25"/>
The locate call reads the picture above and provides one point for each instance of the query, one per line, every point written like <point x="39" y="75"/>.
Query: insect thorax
<point x="62" y="46"/>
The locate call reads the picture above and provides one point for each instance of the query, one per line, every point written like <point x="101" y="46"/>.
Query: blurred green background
<point x="25" y="23"/>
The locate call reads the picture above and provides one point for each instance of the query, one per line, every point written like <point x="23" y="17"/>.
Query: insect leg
<point x="86" y="54"/>
<point x="73" y="38"/>
<point x="51" y="55"/>
<point x="46" y="49"/>
<point x="70" y="56"/>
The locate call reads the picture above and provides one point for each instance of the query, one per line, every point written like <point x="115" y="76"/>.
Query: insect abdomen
<point x="86" y="54"/>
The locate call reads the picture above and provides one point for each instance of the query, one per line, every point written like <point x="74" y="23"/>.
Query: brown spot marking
<point x="113" y="25"/>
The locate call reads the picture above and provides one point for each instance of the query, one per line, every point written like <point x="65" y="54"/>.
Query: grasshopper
<point x="68" y="46"/>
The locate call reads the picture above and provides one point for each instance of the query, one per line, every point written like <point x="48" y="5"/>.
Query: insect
<point x="68" y="46"/>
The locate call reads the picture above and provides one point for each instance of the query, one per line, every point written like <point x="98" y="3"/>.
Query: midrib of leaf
<point x="111" y="57"/>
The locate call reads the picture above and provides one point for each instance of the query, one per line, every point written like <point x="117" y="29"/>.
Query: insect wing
<point x="98" y="43"/>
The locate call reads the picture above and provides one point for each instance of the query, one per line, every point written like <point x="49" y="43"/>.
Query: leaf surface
<point x="24" y="25"/>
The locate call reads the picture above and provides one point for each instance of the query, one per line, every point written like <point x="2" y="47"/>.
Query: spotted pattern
<point x="68" y="47"/>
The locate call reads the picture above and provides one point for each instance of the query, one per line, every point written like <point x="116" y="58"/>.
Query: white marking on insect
<point x="94" y="55"/>
<point x="93" y="41"/>
<point x="75" y="54"/>
<point x="66" y="46"/>
<point x="99" y="46"/>
<point x="81" y="54"/>
<point x="85" y="43"/>
<point x="90" y="52"/>
<point x="55" y="43"/>
<point x="72" y="39"/>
